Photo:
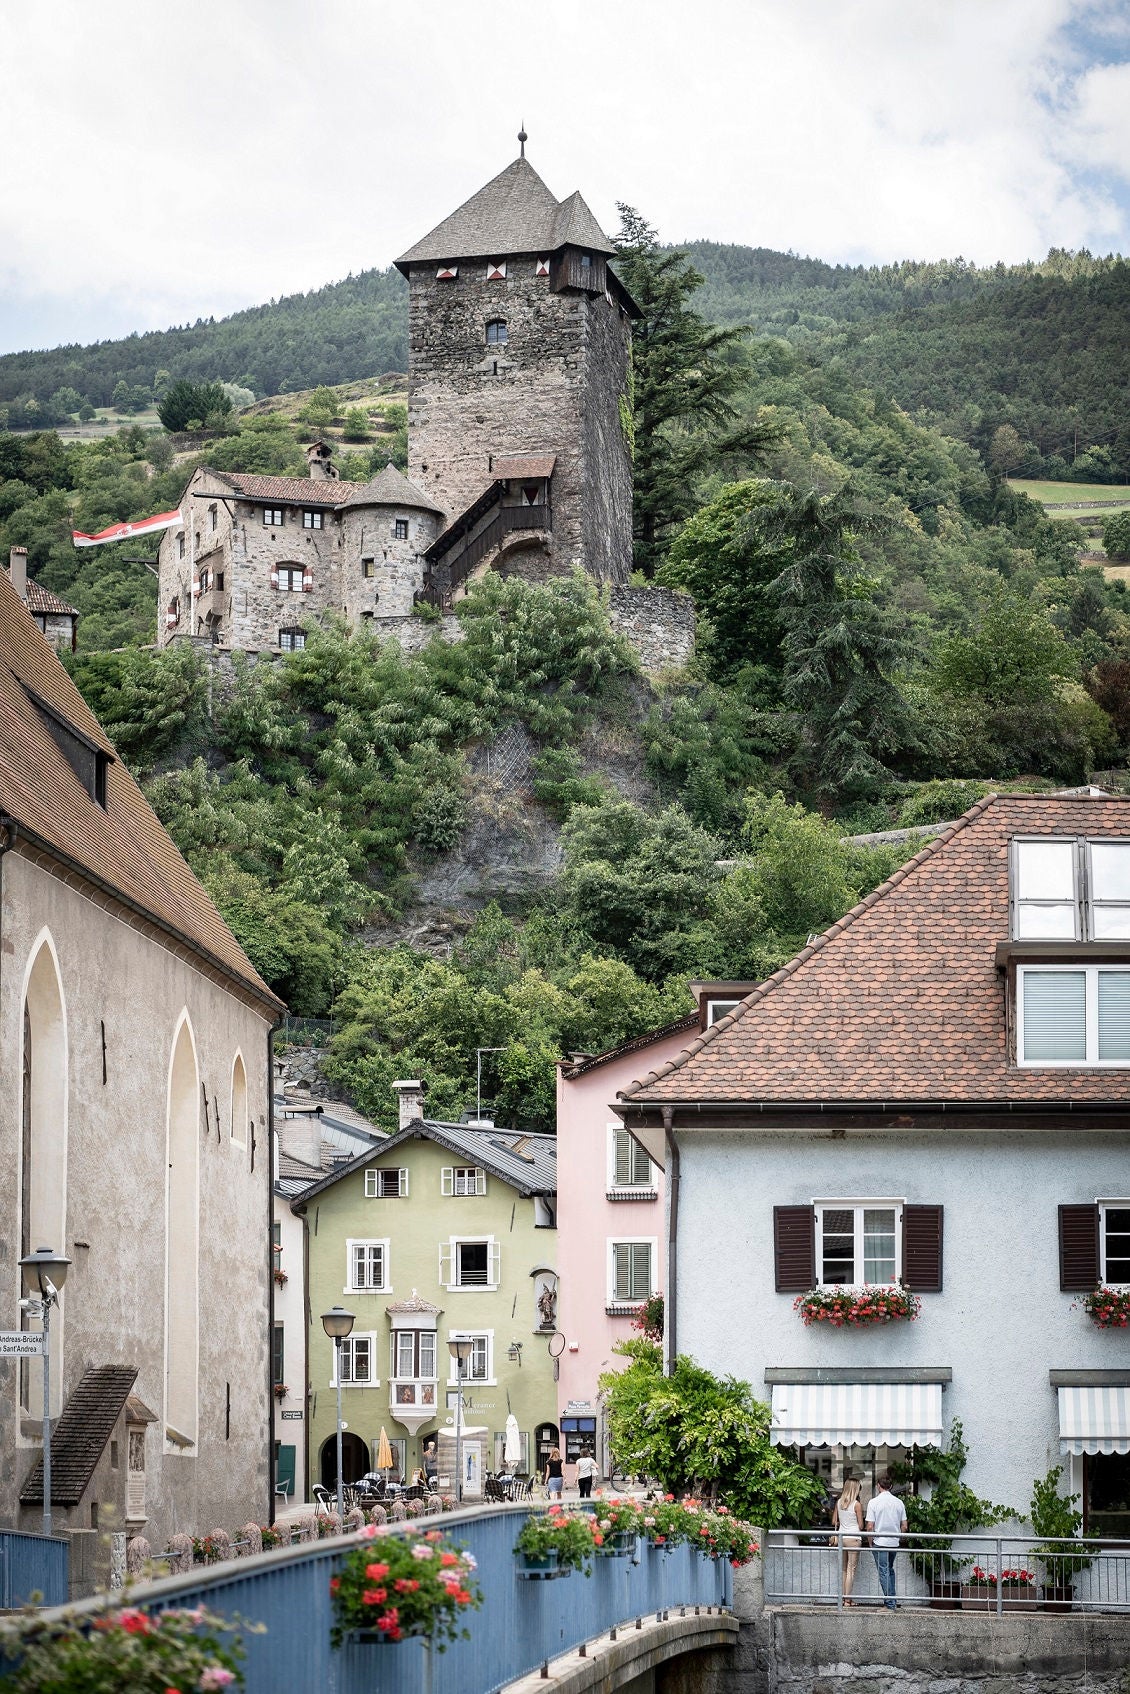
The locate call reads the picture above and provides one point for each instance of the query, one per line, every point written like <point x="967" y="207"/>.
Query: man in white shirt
<point x="886" y="1521"/>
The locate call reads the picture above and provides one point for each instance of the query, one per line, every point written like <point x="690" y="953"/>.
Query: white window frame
<point x="395" y="1374"/>
<point x="1114" y="1206"/>
<point x="293" y="583"/>
<point x="449" y="1263"/>
<point x="1092" y="1060"/>
<point x="614" y="1241"/>
<point x="1083" y="883"/>
<point x="486" y="1337"/>
<point x="721" y="1008"/>
<point x="647" y="1186"/>
<point x="347" y="1346"/>
<point x="273" y="517"/>
<point x="450" y="1176"/>
<point x="858" y="1204"/>
<point x="353" y="1287"/>
<point x="312" y="520"/>
<point x="373" y="1186"/>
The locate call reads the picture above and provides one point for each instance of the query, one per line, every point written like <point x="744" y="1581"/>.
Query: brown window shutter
<point x="922" y="1248"/>
<point x="794" y="1248"/>
<point x="1078" y="1248"/>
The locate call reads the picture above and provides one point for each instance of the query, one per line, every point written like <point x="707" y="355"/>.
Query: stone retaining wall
<point x="659" y="623"/>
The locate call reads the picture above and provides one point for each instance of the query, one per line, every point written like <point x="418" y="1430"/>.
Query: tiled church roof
<point x="514" y="213"/>
<point x="902" y="999"/>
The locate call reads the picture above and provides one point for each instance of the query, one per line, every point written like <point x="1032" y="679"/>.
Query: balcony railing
<point x="454" y="567"/>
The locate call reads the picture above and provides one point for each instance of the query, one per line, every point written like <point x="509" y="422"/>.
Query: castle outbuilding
<point x="519" y="459"/>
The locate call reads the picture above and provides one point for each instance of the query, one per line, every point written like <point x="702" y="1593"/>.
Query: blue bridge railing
<point x="520" y="1624"/>
<point x="32" y="1567"/>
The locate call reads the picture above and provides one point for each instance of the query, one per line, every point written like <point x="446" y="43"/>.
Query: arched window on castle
<point x="239" y="1102"/>
<point x="496" y="332"/>
<point x="182" y="1243"/>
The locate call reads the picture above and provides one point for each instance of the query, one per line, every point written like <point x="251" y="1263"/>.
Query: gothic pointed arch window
<point x="239" y="1102"/>
<point x="43" y="1150"/>
<point x="182" y="1242"/>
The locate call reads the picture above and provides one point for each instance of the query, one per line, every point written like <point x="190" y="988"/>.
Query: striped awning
<point x="1094" y="1420"/>
<point x="862" y="1414"/>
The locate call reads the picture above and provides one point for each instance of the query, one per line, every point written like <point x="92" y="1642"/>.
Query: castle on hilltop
<point x="519" y="457"/>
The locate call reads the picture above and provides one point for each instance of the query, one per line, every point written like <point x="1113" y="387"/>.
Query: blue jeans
<point x="885" y="1565"/>
<point x="555" y="1484"/>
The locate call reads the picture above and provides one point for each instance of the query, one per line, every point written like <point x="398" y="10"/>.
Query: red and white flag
<point x="126" y="531"/>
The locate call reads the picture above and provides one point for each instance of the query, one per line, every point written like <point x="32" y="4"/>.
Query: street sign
<point x="294" y="1416"/>
<point x="19" y="1344"/>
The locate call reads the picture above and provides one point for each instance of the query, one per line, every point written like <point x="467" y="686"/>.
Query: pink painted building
<point x="611" y="1215"/>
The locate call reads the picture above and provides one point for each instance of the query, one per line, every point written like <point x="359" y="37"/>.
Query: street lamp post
<point x="44" y="1273"/>
<point x="338" y="1323"/>
<point x="460" y="1349"/>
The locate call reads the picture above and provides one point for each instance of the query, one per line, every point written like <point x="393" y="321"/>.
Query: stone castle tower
<point x="519" y="372"/>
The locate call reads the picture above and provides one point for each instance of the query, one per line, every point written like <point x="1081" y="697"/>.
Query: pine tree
<point x="684" y="375"/>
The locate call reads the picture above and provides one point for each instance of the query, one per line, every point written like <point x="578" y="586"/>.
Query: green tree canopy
<point x="184" y="403"/>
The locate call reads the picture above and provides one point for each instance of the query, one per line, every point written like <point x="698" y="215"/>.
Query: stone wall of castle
<point x="471" y="403"/>
<point x="659" y="623"/>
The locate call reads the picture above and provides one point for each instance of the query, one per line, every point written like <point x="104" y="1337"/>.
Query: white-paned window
<point x="463" y="1179"/>
<point x="386" y="1184"/>
<point x="1070" y="890"/>
<point x="272" y="516"/>
<point x="717" y="1009"/>
<point x="1114" y="1241"/>
<point x="480" y="1360"/>
<point x="311" y="520"/>
<point x="476" y="1263"/>
<point x="292" y="640"/>
<point x="290" y="579"/>
<point x="628" y="1164"/>
<point x="414" y="1353"/>
<point x="631" y="1269"/>
<point x="367" y="1267"/>
<point x="1073" y="1014"/>
<point x="358" y="1361"/>
<point x="858" y="1242"/>
<point x="400" y="529"/>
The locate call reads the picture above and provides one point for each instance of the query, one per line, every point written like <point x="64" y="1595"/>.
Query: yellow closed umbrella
<point x="384" y="1453"/>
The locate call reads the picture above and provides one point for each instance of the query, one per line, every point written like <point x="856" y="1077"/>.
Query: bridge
<point x="605" y="1631"/>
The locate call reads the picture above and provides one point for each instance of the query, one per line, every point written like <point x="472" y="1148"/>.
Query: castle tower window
<point x="292" y="640"/>
<point x="180" y="546"/>
<point x="272" y="516"/>
<point x="288" y="579"/>
<point x="586" y="261"/>
<point x="212" y="515"/>
<point x="368" y="565"/>
<point x="496" y="332"/>
<point x="400" y="529"/>
<point x="311" y="520"/>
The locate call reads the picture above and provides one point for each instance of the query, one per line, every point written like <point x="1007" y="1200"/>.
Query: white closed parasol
<point x="512" y="1447"/>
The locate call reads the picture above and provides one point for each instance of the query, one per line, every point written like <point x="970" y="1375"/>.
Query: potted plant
<point x="619" y="1522"/>
<point x="120" y="1649"/>
<point x="281" y="1390"/>
<point x="1017" y="1590"/>
<point x="1055" y="1519"/>
<point x="857" y="1308"/>
<point x="556" y="1543"/>
<point x="950" y="1509"/>
<point x="395" y="1586"/>
<point x="1107" y="1308"/>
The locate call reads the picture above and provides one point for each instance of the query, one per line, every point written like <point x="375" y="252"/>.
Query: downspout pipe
<point x="271" y="1268"/>
<point x="671" y="1303"/>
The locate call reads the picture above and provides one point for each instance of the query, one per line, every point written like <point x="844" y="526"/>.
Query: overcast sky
<point x="171" y="159"/>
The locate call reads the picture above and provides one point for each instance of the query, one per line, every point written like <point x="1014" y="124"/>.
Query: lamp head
<point x="337" y="1323"/>
<point x="44" y="1272"/>
<point x="460" y="1349"/>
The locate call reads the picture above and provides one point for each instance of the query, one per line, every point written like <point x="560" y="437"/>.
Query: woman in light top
<point x="847" y="1516"/>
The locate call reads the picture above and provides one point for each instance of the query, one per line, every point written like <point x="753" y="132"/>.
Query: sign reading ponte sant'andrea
<point x="19" y="1344"/>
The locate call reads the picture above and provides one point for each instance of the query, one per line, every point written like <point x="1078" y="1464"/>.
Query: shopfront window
<point x="1106" y="1494"/>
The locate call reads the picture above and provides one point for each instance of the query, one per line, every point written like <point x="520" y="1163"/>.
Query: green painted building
<point x="443" y="1230"/>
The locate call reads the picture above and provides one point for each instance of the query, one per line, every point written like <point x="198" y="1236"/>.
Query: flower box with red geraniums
<point x="394" y="1586"/>
<point x="1017" y="1589"/>
<point x="1107" y="1308"/>
<point x="121" y="1649"/>
<point x="671" y="1523"/>
<point x="856" y="1308"/>
<point x="619" y="1522"/>
<point x="557" y="1542"/>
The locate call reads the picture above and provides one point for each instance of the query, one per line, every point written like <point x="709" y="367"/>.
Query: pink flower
<point x="419" y="1551"/>
<point x="216" y="1677"/>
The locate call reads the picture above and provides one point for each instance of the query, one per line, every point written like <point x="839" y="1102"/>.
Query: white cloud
<point x="182" y="160"/>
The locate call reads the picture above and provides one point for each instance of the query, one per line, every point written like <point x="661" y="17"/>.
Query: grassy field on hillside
<point x="1089" y="494"/>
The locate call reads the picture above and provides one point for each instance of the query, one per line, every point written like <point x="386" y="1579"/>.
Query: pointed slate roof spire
<point x="514" y="213"/>
<point x="390" y="487"/>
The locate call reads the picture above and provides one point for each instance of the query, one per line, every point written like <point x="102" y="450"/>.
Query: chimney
<point x="322" y="468"/>
<point x="17" y="570"/>
<point x="411" y="1096"/>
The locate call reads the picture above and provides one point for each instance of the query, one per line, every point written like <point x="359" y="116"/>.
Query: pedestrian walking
<point x="586" y="1471"/>
<point x="886" y="1522"/>
<point x="554" y="1473"/>
<point x="847" y="1517"/>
